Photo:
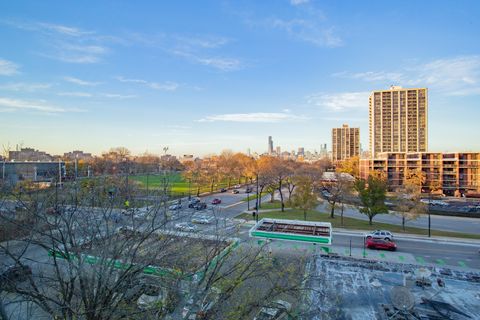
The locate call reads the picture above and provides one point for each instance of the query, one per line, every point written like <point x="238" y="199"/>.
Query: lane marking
<point x="420" y="260"/>
<point x="401" y="258"/>
<point x="462" y="264"/>
<point x="440" y="262"/>
<point x="382" y="255"/>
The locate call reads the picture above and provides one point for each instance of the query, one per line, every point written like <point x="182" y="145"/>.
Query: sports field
<point x="178" y="185"/>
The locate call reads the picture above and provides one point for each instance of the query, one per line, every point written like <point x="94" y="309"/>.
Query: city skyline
<point x="231" y="76"/>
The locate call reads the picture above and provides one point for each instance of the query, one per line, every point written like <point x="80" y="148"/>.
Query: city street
<point x="445" y="223"/>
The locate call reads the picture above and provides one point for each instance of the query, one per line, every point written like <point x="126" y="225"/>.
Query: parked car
<point x="223" y="190"/>
<point x="202" y="219"/>
<point x="216" y="201"/>
<point x="192" y="202"/>
<point x="380" y="234"/>
<point x="237" y="186"/>
<point x="380" y="244"/>
<point x="201" y="309"/>
<point x="326" y="194"/>
<point x="177" y="206"/>
<point x="235" y="191"/>
<point x="14" y="274"/>
<point x="276" y="311"/>
<point x="186" y="226"/>
<point x="200" y="206"/>
<point x="150" y="298"/>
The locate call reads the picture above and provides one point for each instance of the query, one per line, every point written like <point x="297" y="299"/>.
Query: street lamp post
<point x="428" y="209"/>
<point x="248" y="198"/>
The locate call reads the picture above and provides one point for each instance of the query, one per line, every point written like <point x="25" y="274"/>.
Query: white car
<point x="186" y="226"/>
<point x="276" y="311"/>
<point x="380" y="234"/>
<point x="202" y="219"/>
<point x="175" y="207"/>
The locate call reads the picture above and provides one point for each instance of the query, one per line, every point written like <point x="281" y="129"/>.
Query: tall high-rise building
<point x="345" y="142"/>
<point x="278" y="150"/>
<point x="301" y="151"/>
<point x="270" y="145"/>
<point x="398" y="120"/>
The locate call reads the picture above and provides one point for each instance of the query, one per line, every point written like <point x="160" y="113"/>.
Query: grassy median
<point x="355" y="224"/>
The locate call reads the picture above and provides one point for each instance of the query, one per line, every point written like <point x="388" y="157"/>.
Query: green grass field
<point x="178" y="184"/>
<point x="354" y="224"/>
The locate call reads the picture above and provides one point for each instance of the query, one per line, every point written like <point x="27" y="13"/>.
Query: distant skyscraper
<point x="270" y="145"/>
<point x="398" y="120"/>
<point x="278" y="150"/>
<point x="345" y="143"/>
<point x="301" y="151"/>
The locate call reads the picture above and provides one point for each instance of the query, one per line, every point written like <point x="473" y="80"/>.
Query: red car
<point x="216" y="201"/>
<point x="380" y="244"/>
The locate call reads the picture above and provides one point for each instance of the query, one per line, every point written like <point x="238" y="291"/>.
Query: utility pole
<point x="76" y="166"/>
<point x="60" y="172"/>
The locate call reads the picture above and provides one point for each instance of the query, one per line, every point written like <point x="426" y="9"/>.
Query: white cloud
<point x="308" y="30"/>
<point x="25" y="87"/>
<point x="220" y="63"/>
<point x="208" y="42"/>
<point x="75" y="94"/>
<point x="8" y="68"/>
<point x="269" y="117"/>
<point x="118" y="96"/>
<point x="340" y="101"/>
<point x="298" y="2"/>
<point x="42" y="106"/>
<point x="451" y="76"/>
<point x="80" y="81"/>
<point x="66" y="43"/>
<point x="65" y="30"/>
<point x="165" y="86"/>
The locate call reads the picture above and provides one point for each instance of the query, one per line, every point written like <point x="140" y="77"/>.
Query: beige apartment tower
<point x="345" y="143"/>
<point x="398" y="120"/>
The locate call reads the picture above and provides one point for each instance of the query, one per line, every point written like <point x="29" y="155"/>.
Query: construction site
<point x="347" y="288"/>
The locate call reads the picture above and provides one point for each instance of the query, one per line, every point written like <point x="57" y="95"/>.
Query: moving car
<point x="202" y="219"/>
<point x="223" y="190"/>
<point x="235" y="191"/>
<point x="248" y="190"/>
<point x="192" y="202"/>
<point x="186" y="226"/>
<point x="216" y="201"/>
<point x="276" y="311"/>
<point x="200" y="206"/>
<point x="380" y="234"/>
<point x="175" y="207"/>
<point x="380" y="244"/>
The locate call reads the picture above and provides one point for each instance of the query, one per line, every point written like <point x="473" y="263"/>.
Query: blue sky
<point x="203" y="76"/>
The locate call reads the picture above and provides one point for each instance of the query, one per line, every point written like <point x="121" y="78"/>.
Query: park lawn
<point x="254" y="197"/>
<point x="354" y="224"/>
<point x="277" y="204"/>
<point x="176" y="181"/>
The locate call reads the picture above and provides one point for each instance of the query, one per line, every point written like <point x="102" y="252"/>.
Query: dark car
<point x="248" y="190"/>
<point x="235" y="191"/>
<point x="223" y="190"/>
<point x="380" y="244"/>
<point x="13" y="274"/>
<point x="200" y="206"/>
<point x="216" y="201"/>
